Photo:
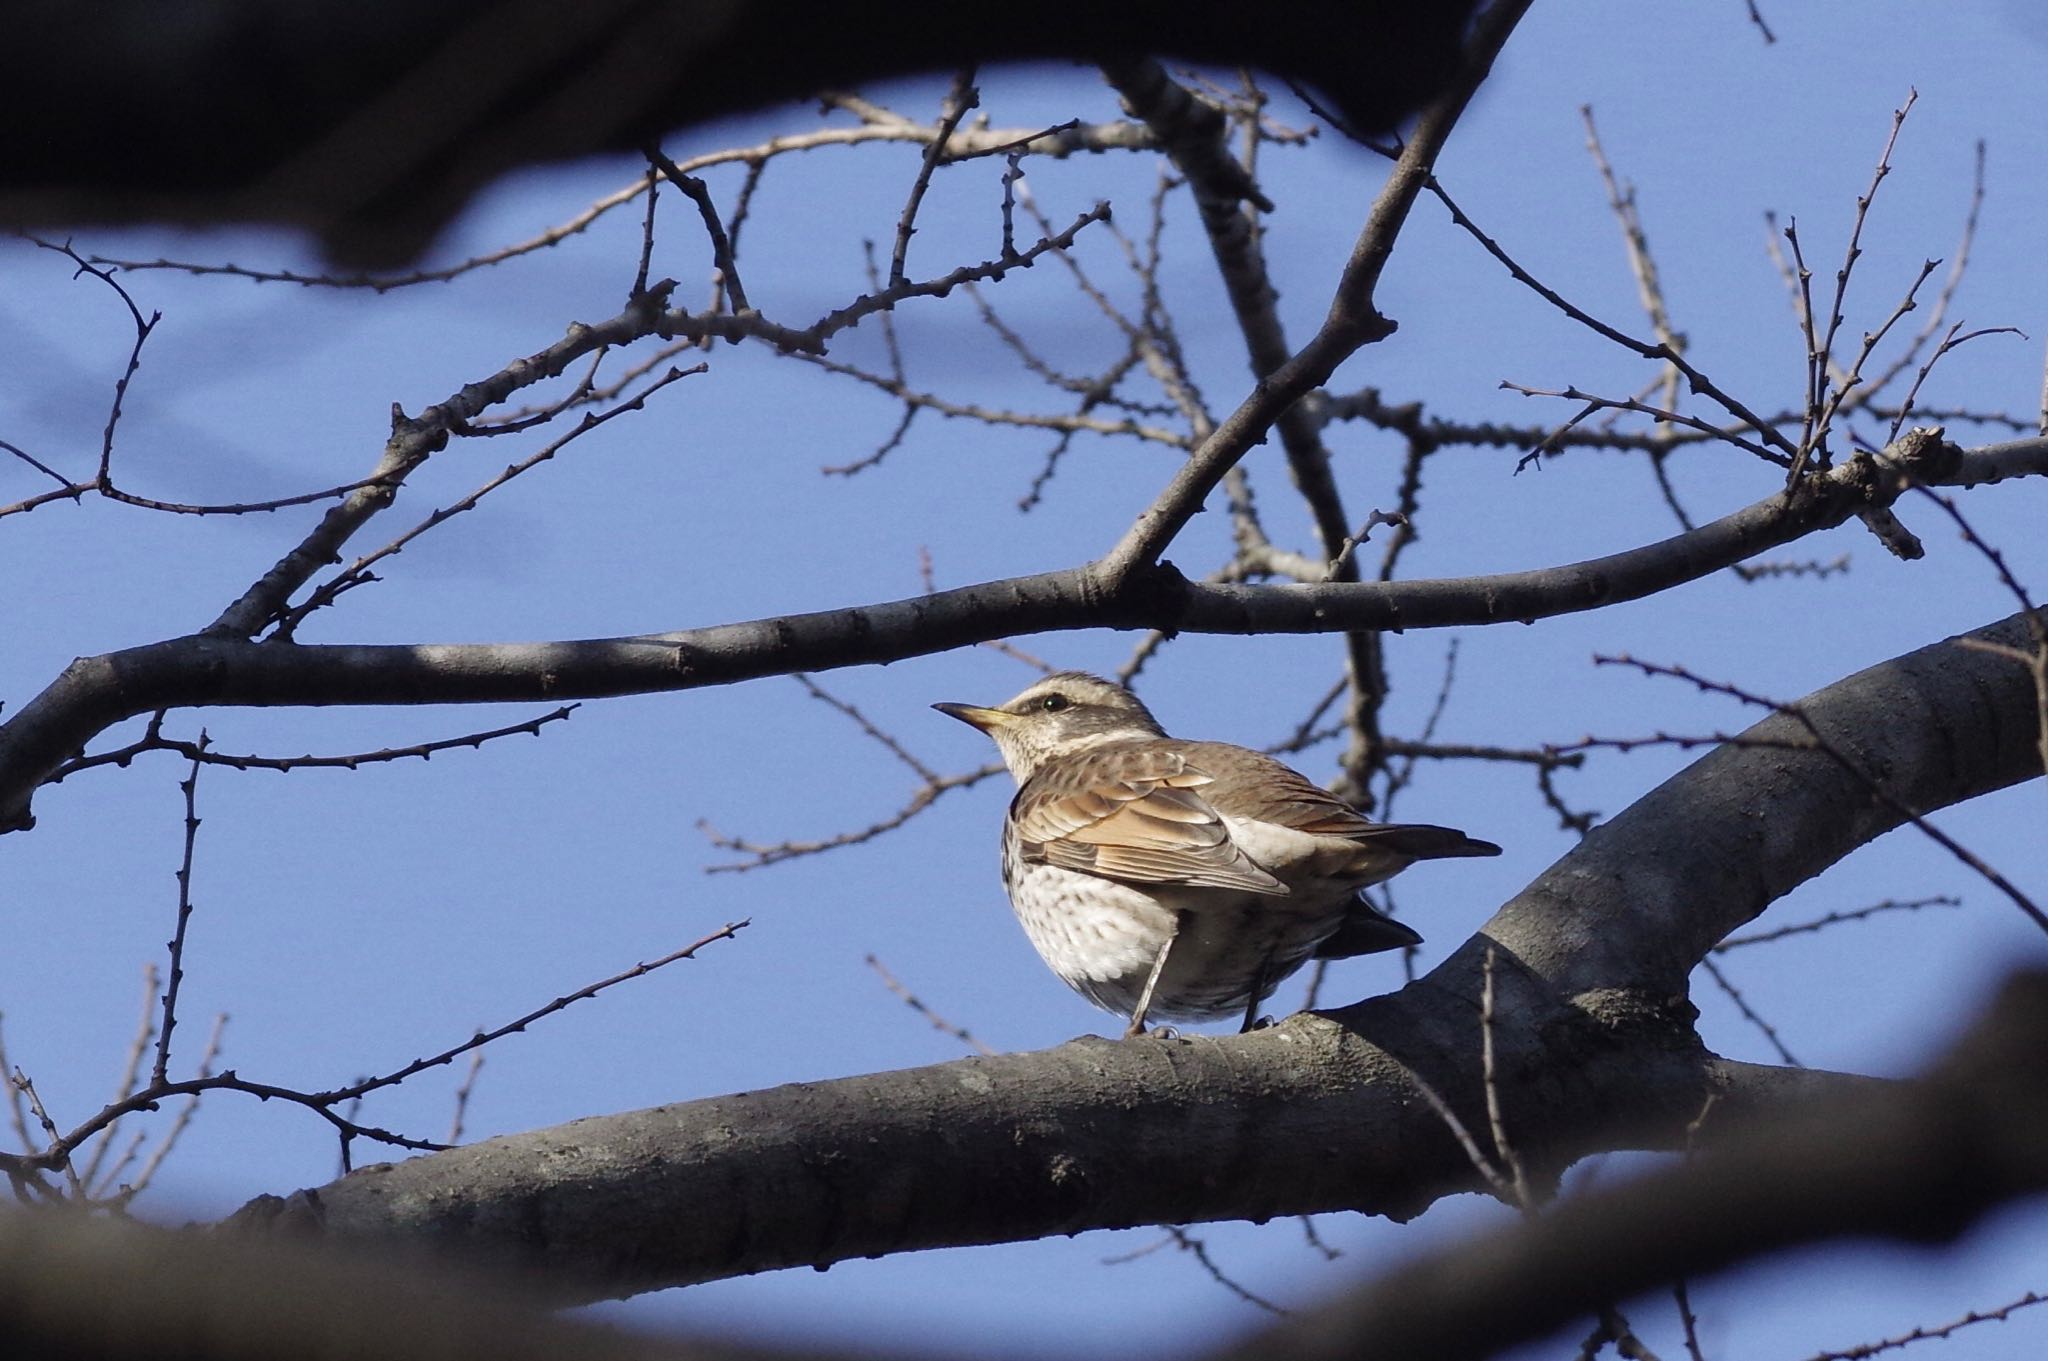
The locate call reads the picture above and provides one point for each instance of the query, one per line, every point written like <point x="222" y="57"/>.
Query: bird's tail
<point x="1420" y="841"/>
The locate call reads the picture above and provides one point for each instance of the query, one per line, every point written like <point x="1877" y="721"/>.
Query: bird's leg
<point x="1262" y="988"/>
<point x="1137" y="1025"/>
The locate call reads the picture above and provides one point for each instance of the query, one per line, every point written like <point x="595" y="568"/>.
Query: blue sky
<point x="348" y="922"/>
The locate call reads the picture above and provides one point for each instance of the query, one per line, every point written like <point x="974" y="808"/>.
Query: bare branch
<point x="761" y="854"/>
<point x="1068" y="139"/>
<point x="175" y="977"/>
<point x="1975" y="1316"/>
<point x="154" y="740"/>
<point x="721" y="247"/>
<point x="357" y="573"/>
<point x="1833" y="919"/>
<point x="1352" y="321"/>
<point x="1749" y="1013"/>
<point x="180" y="1122"/>
<point x="917" y="1004"/>
<point x="1700" y="383"/>
<point x="57" y="1152"/>
<point x="364" y="1087"/>
<point x="1199" y="1250"/>
<point x="959" y="101"/>
<point x="131" y="1069"/>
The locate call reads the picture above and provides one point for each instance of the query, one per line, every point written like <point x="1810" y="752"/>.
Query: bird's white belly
<point x="1092" y="932"/>
<point x="1103" y="937"/>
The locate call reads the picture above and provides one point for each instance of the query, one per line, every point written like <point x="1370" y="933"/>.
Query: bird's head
<point x="1068" y="711"/>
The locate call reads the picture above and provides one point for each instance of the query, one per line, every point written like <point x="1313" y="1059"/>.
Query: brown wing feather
<point x="1131" y="813"/>
<point x="1262" y="788"/>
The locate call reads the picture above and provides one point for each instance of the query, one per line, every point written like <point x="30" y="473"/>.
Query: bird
<point x="1167" y="878"/>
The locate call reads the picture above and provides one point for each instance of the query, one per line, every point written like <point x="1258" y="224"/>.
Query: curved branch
<point x="95" y="692"/>
<point x="1093" y="1134"/>
<point x="1642" y="899"/>
<point x="1595" y="1055"/>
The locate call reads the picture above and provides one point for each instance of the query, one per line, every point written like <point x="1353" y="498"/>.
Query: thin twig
<point x="175" y="976"/>
<point x="721" y="245"/>
<point x="179" y="1122"/>
<point x="357" y="573"/>
<point x="131" y="1068"/>
<point x="1194" y="1246"/>
<point x="17" y="1105"/>
<point x="1503" y="1188"/>
<point x="1841" y="758"/>
<point x="1823" y="403"/>
<point x="1833" y="919"/>
<point x="143" y="327"/>
<point x="153" y="740"/>
<point x="62" y="1162"/>
<point x="1314" y="1238"/>
<point x="483" y="1037"/>
<point x="1959" y="261"/>
<point x="867" y="727"/>
<point x="1749" y="1013"/>
<point x="463" y="1090"/>
<point x="1700" y="382"/>
<point x="917" y="1004"/>
<point x="1688" y="1322"/>
<point x="639" y="289"/>
<point x="960" y="98"/>
<point x="324" y="1104"/>
<point x="760" y="855"/>
<point x="1975" y="1316"/>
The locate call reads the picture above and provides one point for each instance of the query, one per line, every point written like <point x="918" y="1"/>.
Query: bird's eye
<point x="1052" y="704"/>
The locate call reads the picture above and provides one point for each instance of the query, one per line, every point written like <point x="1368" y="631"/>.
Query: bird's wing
<point x="1132" y="813"/>
<point x="1261" y="789"/>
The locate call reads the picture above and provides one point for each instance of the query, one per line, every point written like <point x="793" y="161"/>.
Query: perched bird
<point x="1161" y="877"/>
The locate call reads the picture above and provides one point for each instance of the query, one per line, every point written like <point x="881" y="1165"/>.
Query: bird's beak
<point x="975" y="716"/>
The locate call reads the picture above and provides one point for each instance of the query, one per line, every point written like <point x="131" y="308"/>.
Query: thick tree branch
<point x="1927" y="1160"/>
<point x="95" y="692"/>
<point x="1093" y="1134"/>
<point x="1593" y="1040"/>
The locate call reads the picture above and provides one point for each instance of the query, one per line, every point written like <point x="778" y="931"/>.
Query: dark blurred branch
<point x="373" y="123"/>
